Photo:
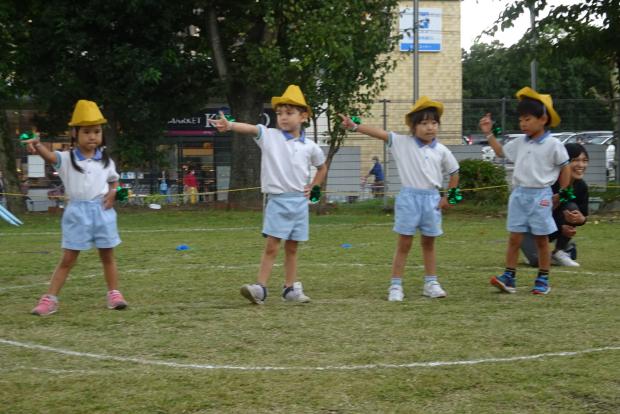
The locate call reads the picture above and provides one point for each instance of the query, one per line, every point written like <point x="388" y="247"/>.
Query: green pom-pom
<point x="356" y="119"/>
<point x="122" y="194"/>
<point x="25" y="136"/>
<point x="315" y="194"/>
<point x="454" y="195"/>
<point x="566" y="195"/>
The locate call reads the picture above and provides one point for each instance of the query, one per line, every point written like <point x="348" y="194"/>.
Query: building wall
<point x="440" y="78"/>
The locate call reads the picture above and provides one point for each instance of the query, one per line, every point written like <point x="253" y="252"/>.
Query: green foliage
<point x="478" y="174"/>
<point x="128" y="57"/>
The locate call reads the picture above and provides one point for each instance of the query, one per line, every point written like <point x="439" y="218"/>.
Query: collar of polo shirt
<point x="540" y="139"/>
<point x="289" y="136"/>
<point x="81" y="157"/>
<point x="421" y="143"/>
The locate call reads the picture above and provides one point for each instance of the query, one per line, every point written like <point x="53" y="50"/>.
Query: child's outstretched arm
<point x="35" y="147"/>
<point x="378" y="133"/>
<point x="486" y="126"/>
<point x="224" y="125"/>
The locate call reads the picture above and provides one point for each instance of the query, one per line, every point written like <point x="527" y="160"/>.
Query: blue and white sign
<point x="429" y="30"/>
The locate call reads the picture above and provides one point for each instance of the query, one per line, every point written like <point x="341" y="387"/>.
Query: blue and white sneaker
<point x="505" y="283"/>
<point x="254" y="293"/>
<point x="541" y="286"/>
<point x="295" y="293"/>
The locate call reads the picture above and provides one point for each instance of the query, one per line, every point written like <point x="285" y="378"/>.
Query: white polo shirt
<point x="90" y="184"/>
<point x="285" y="161"/>
<point x="421" y="165"/>
<point x="537" y="161"/>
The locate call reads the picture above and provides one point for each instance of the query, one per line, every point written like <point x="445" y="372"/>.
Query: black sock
<point x="510" y="272"/>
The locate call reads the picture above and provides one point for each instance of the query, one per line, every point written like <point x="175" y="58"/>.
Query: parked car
<point x="475" y="139"/>
<point x="562" y="136"/>
<point x="487" y="152"/>
<point x="585" y="137"/>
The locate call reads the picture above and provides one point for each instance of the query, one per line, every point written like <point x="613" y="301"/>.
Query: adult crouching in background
<point x="568" y="216"/>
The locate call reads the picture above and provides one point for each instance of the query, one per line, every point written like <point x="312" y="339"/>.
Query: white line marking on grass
<point x="52" y="371"/>
<point x="429" y="364"/>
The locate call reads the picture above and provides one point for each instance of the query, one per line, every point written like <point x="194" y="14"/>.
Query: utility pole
<point x="416" y="49"/>
<point x="533" y="63"/>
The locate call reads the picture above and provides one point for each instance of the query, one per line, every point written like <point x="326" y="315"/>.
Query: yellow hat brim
<point x="423" y="103"/>
<point x="546" y="100"/>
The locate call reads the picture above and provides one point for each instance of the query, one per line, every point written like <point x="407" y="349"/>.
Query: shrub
<point x="479" y="174"/>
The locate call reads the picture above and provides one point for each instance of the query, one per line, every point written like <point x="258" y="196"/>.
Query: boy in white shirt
<point x="285" y="175"/>
<point x="539" y="158"/>
<point x="422" y="162"/>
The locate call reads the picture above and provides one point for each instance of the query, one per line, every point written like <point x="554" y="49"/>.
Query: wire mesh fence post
<point x="385" y="157"/>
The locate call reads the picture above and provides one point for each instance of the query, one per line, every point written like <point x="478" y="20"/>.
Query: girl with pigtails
<point x="90" y="180"/>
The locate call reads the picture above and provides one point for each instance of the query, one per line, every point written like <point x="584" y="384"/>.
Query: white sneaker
<point x="395" y="293"/>
<point x="433" y="290"/>
<point x="254" y="293"/>
<point x="561" y="258"/>
<point x="296" y="294"/>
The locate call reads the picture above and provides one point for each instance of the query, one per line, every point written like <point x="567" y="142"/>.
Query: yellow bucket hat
<point x="86" y="113"/>
<point x="292" y="96"/>
<point x="527" y="92"/>
<point x="423" y="103"/>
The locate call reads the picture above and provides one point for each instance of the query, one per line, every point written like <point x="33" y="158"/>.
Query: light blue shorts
<point x="418" y="209"/>
<point x="286" y="216"/>
<point x="87" y="223"/>
<point x="530" y="210"/>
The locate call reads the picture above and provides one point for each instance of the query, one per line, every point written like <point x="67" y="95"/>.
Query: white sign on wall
<point x="36" y="166"/>
<point x="429" y="29"/>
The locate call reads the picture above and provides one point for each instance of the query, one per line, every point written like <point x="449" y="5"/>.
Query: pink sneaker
<point x="46" y="306"/>
<point x="116" y="300"/>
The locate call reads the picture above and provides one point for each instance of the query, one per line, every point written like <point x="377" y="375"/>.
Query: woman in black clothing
<point x="567" y="216"/>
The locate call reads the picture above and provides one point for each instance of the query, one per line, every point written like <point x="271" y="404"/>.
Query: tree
<point x="337" y="51"/>
<point x="132" y="58"/>
<point x="589" y="28"/>
<point x="7" y="91"/>
<point x="494" y="71"/>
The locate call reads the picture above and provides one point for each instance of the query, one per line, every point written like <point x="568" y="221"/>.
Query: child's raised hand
<point x="222" y="124"/>
<point x="486" y="124"/>
<point x="347" y="123"/>
<point x="31" y="143"/>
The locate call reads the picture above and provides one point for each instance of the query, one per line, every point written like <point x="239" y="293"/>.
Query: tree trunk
<point x="17" y="204"/>
<point x="111" y="131"/>
<point x="245" y="170"/>
<point x="334" y="146"/>
<point x="615" y="110"/>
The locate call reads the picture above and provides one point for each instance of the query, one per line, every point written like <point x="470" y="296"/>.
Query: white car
<point x="487" y="152"/>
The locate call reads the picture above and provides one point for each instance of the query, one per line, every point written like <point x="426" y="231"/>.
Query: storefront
<point x="194" y="144"/>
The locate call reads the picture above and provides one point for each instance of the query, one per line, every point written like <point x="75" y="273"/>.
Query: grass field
<point x="189" y="343"/>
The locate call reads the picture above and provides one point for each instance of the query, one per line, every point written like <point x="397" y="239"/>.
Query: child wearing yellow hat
<point x="538" y="158"/>
<point x="285" y="178"/>
<point x="90" y="180"/>
<point x="422" y="163"/>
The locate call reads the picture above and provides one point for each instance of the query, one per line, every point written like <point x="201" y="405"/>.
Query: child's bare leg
<point x="428" y="254"/>
<point x="290" y="262"/>
<point x="110" y="271"/>
<point x="400" y="256"/>
<point x="272" y="245"/>
<point x="69" y="257"/>
<point x="544" y="257"/>
<point x="512" y="252"/>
